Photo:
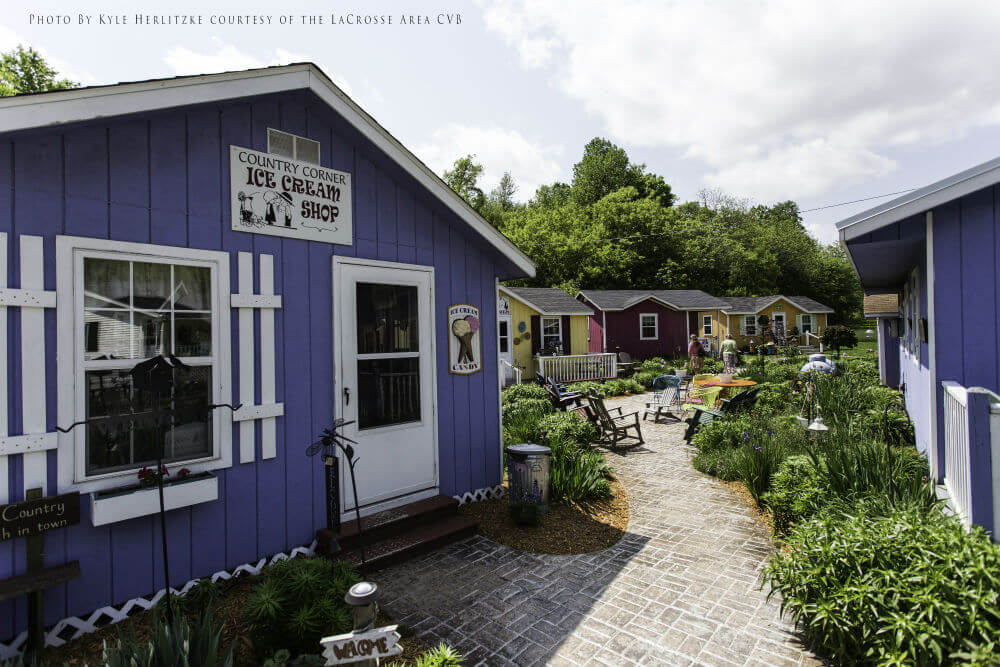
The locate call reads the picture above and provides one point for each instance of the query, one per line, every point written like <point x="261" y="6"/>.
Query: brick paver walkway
<point x="680" y="588"/>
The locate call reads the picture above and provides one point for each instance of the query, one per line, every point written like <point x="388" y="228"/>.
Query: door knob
<point x="347" y="396"/>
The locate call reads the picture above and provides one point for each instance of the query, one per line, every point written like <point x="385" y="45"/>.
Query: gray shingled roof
<point x="684" y="299"/>
<point x="752" y="304"/>
<point x="550" y="300"/>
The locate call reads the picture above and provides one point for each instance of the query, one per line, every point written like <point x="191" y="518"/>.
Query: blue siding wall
<point x="163" y="178"/>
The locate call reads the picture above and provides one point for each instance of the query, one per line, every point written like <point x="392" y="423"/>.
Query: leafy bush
<point x="747" y="448"/>
<point x="177" y="644"/>
<point x="713" y="365"/>
<point x="283" y="658"/>
<point x="578" y="474"/>
<point x="873" y="585"/>
<point x="587" y="387"/>
<point x="298" y="601"/>
<point x="622" y="387"/>
<point x="776" y="398"/>
<point x="646" y="377"/>
<point x="519" y="392"/>
<point x="521" y="419"/>
<point x="798" y="489"/>
<point x="440" y="656"/>
<point x="568" y="426"/>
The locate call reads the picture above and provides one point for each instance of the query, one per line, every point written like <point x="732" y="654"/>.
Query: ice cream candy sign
<point x="465" y="339"/>
<point x="276" y="195"/>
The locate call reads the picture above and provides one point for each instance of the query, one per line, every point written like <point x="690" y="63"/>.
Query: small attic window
<point x="292" y="146"/>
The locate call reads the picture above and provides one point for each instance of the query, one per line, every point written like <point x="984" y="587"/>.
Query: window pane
<point x="107" y="335"/>
<point x="105" y="283"/>
<point x="151" y="286"/>
<point x="387" y="318"/>
<point x="192" y="288"/>
<point x="151" y="332"/>
<point x="118" y="446"/>
<point x="192" y="334"/>
<point x="388" y="391"/>
<point x="504" y="336"/>
<point x="550" y="327"/>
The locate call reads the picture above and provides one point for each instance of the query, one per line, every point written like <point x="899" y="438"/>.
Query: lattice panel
<point x="74" y="627"/>
<point x="481" y="494"/>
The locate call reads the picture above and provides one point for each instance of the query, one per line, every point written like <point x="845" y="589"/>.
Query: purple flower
<point x="756" y="446"/>
<point x="770" y="432"/>
<point x="746" y="436"/>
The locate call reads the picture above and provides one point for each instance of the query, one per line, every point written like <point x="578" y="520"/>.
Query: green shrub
<point x="298" y="601"/>
<point x="519" y="392"/>
<point x="177" y="644"/>
<point x="621" y="387"/>
<point x="776" y="398"/>
<point x="440" y="656"/>
<point x="521" y="419"/>
<point x="646" y="377"/>
<point x="587" y="387"/>
<point x="798" y="489"/>
<point x="728" y="448"/>
<point x="713" y="365"/>
<point x="757" y="458"/>
<point x="567" y="426"/>
<point x="578" y="473"/>
<point x="283" y="658"/>
<point x="897" y="587"/>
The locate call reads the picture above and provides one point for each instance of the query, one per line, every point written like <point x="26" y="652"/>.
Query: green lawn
<point x="867" y="348"/>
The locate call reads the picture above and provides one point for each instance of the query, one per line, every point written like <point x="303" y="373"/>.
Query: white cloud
<point x="498" y="150"/>
<point x="780" y="98"/>
<point x="224" y="57"/>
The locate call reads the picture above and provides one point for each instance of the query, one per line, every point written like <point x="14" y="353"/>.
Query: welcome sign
<point x="271" y="194"/>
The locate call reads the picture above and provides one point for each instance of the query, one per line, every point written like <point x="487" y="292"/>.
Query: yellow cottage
<point x="741" y="315"/>
<point x="538" y="319"/>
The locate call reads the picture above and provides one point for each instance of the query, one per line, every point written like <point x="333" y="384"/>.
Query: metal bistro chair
<point x="666" y="397"/>
<point x="615" y="428"/>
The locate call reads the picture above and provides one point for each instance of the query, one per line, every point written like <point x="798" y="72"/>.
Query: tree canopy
<point x="616" y="226"/>
<point x="23" y="70"/>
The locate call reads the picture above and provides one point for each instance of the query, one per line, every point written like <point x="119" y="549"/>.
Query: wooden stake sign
<point x="363" y="646"/>
<point x="29" y="519"/>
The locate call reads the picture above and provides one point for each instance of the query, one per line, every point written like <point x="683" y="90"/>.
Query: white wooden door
<point x="385" y="380"/>
<point x="506" y="347"/>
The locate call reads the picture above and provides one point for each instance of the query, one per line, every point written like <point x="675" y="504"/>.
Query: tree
<point x="603" y="169"/>
<point x="25" y="71"/>
<point x="463" y="178"/>
<point x="838" y="336"/>
<point x="503" y="194"/>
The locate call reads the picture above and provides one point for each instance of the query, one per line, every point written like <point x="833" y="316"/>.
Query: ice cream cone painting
<point x="465" y="339"/>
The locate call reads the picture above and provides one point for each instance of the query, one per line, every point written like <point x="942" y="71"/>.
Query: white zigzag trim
<point x="115" y="615"/>
<point x="481" y="494"/>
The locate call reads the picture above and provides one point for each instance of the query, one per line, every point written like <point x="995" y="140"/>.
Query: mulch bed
<point x="88" y="649"/>
<point x="570" y="528"/>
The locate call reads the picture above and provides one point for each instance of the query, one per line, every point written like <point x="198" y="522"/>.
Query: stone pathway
<point x="680" y="588"/>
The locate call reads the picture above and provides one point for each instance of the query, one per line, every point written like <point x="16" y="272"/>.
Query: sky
<point x="769" y="100"/>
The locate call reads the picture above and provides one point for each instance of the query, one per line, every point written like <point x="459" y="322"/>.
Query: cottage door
<point x="384" y="349"/>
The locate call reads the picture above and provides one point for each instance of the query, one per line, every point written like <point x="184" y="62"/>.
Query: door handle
<point x="347" y="396"/>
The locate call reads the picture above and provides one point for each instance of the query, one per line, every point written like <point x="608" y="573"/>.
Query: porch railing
<point x="515" y="372"/>
<point x="972" y="453"/>
<point x="579" y="367"/>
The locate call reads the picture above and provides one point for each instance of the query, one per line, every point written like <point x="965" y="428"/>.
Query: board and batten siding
<point x="162" y="178"/>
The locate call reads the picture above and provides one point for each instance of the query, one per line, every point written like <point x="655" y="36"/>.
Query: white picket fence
<point x="972" y="454"/>
<point x="578" y="367"/>
<point x="956" y="449"/>
<point x="509" y="370"/>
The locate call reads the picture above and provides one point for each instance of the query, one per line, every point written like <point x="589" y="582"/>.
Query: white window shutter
<point x="798" y="322"/>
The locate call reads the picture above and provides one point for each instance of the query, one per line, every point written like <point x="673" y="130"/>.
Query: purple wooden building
<point x="645" y="323"/>
<point x="264" y="229"/>
<point x="935" y="255"/>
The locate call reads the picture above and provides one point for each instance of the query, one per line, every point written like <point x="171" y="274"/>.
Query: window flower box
<point x="134" y="501"/>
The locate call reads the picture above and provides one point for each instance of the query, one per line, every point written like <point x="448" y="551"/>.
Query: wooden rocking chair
<point x="615" y="427"/>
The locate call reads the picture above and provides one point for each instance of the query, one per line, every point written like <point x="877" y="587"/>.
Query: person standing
<point x="728" y="349"/>
<point x="697" y="354"/>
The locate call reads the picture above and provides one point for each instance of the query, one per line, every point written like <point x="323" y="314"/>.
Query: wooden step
<point x="388" y="523"/>
<point x="417" y="540"/>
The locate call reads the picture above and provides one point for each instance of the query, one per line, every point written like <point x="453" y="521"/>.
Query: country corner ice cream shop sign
<point x="272" y="194"/>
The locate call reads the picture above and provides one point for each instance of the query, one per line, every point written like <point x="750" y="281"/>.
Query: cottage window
<point x="129" y="307"/>
<point x="706" y="325"/>
<point x="649" y="326"/>
<point x="749" y="325"/>
<point x="551" y="332"/>
<point x="805" y="323"/>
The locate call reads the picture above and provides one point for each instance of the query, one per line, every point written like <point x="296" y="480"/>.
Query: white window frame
<point x="810" y="327"/>
<point x="749" y="321"/>
<point x="70" y="253"/>
<point x="774" y="319"/>
<point x="911" y="315"/>
<point x="706" y="325"/>
<point x="545" y="336"/>
<point x="656" y="326"/>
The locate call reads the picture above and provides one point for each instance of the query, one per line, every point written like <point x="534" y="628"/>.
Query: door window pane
<point x="388" y="391"/>
<point x="387" y="318"/>
<point x="114" y="445"/>
<point x="504" y="336"/>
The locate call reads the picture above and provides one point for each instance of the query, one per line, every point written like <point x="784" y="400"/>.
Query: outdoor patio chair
<point x="560" y="398"/>
<point x="615" y="428"/>
<point x="741" y="402"/>
<point x="625" y="363"/>
<point x="666" y="394"/>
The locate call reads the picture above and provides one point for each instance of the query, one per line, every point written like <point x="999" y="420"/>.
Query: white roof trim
<point x="943" y="191"/>
<point x="55" y="108"/>
<point x="540" y="311"/>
